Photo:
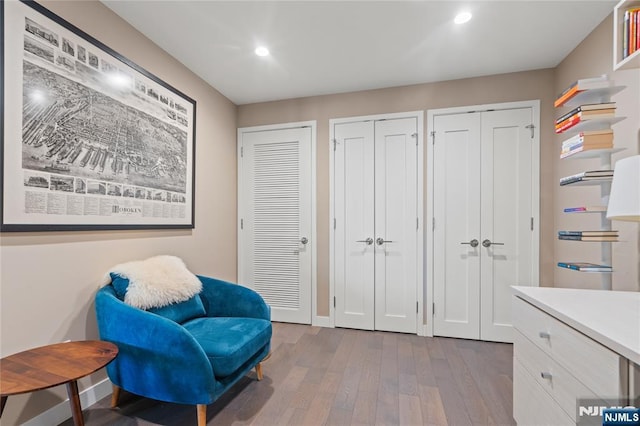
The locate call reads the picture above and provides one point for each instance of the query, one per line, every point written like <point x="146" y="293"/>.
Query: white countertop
<point x="611" y="318"/>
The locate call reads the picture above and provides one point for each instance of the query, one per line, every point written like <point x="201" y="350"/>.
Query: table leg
<point x="74" y="400"/>
<point x="4" y="401"/>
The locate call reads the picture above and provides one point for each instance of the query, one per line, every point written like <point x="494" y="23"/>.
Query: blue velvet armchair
<point x="190" y="352"/>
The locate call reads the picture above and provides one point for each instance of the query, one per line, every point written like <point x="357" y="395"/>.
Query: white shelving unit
<point x="632" y="61"/>
<point x="589" y="97"/>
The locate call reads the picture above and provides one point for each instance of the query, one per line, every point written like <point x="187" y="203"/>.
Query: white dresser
<point x="572" y="344"/>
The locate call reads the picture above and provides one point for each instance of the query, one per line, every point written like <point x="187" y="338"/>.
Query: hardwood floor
<point x="324" y="376"/>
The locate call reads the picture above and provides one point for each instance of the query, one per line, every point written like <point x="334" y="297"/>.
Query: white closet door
<point x="375" y="197"/>
<point x="354" y="272"/>
<point x="483" y="241"/>
<point x="276" y="219"/>
<point x="396" y="233"/>
<point x="457" y="225"/>
<point x="506" y="216"/>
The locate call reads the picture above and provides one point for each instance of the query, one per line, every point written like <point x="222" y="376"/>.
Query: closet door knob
<point x="472" y="243"/>
<point x="488" y="243"/>
<point x="369" y="241"/>
<point x="380" y="241"/>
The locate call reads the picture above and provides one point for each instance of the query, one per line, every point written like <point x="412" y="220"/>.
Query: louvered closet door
<point x="275" y="210"/>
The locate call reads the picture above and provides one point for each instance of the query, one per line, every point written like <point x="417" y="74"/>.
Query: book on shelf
<point x="585" y="266"/>
<point x="583" y="116"/>
<point x="580" y="86"/>
<point x="588" y="140"/>
<point x="603" y="239"/>
<point x="585" y="209"/>
<point x="630" y="32"/>
<point x="588" y="108"/>
<point x="586" y="176"/>
<point x="588" y="233"/>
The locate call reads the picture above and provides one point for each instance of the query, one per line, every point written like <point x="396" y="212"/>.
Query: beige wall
<point x="48" y="280"/>
<point x="591" y="58"/>
<point x="484" y="90"/>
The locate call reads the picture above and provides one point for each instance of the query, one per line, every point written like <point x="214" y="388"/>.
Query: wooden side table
<point x="53" y="365"/>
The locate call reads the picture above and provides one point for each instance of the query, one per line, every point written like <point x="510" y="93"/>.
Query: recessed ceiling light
<point x="462" y="17"/>
<point x="262" y="51"/>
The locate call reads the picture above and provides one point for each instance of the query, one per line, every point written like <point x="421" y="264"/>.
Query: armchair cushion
<point x="229" y="342"/>
<point x="182" y="311"/>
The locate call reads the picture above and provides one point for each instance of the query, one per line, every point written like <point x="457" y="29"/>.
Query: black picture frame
<point x="89" y="139"/>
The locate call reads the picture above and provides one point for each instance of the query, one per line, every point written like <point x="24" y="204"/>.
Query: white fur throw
<point x="158" y="281"/>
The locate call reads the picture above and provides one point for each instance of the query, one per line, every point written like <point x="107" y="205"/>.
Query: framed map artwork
<point x="90" y="140"/>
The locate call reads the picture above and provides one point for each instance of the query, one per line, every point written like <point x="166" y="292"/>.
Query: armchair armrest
<point x="224" y="299"/>
<point x="157" y="357"/>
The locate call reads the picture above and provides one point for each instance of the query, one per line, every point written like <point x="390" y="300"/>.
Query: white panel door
<point x="506" y="217"/>
<point x="456" y="249"/>
<point x="396" y="230"/>
<point x="354" y="272"/>
<point x="376" y="240"/>
<point x="275" y="209"/>
<point x="483" y="240"/>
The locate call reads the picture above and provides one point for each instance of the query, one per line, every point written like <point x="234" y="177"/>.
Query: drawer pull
<point x="545" y="375"/>
<point x="544" y="335"/>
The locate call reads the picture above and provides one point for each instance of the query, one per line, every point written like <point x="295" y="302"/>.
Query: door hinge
<point x="241" y="223"/>
<point x="433" y="224"/>
<point x="433" y="137"/>
<point x="334" y="223"/>
<point x="417" y="311"/>
<point x="530" y="127"/>
<point x="415" y="136"/>
<point x="417" y="223"/>
<point x="334" y="301"/>
<point x="433" y="309"/>
<point x="335" y="143"/>
<point x="532" y="224"/>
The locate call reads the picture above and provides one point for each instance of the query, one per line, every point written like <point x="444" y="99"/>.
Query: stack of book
<point x="580" y="86"/>
<point x="610" y="236"/>
<point x="586" y="141"/>
<point x="585" y="267"/>
<point x="587" y="176"/>
<point x="585" y="112"/>
<point x="631" y="32"/>
<point x="586" y="209"/>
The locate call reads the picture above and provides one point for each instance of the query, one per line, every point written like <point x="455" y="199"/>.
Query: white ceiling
<point x="323" y="47"/>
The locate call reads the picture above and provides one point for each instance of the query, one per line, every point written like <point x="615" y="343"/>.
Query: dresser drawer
<point x="601" y="370"/>
<point x="531" y="404"/>
<point x="556" y="380"/>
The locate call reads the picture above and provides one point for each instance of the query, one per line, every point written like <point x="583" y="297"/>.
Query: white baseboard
<point x="319" y="321"/>
<point x="61" y="412"/>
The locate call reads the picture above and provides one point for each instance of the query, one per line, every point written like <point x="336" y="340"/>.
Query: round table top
<point x="53" y="365"/>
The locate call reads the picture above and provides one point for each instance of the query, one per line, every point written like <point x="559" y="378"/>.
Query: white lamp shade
<point x="624" y="200"/>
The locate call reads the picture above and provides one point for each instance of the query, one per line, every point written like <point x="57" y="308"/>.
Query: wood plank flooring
<point x="324" y="376"/>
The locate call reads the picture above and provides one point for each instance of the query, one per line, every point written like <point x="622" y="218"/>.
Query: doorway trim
<point x="535" y="192"/>
<point x="314" y="234"/>
<point x="420" y="289"/>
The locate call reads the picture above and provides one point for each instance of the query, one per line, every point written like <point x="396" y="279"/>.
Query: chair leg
<point x="114" y="396"/>
<point x="202" y="414"/>
<point x="259" y="370"/>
